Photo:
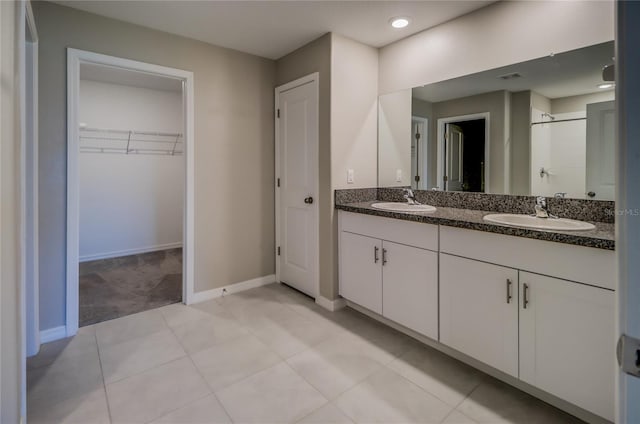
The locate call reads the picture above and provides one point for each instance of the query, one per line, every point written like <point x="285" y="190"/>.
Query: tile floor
<point x="268" y="355"/>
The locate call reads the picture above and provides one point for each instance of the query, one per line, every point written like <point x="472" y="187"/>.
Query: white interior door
<point x="454" y="151"/>
<point x="298" y="180"/>
<point x="601" y="150"/>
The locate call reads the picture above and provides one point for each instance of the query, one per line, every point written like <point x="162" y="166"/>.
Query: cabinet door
<point x="361" y="270"/>
<point x="410" y="287"/>
<point x="479" y="311"/>
<point x="567" y="341"/>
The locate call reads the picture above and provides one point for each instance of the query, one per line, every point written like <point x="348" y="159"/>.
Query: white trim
<point x="127" y="252"/>
<point x="487" y="145"/>
<point x="627" y="199"/>
<point x="74" y="59"/>
<point x="331" y="305"/>
<point x="233" y="288"/>
<point x="311" y="78"/>
<point x="53" y="334"/>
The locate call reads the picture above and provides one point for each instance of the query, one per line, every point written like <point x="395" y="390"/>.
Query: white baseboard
<point x="52" y="334"/>
<point x="331" y="305"/>
<point x="127" y="252"/>
<point x="232" y="288"/>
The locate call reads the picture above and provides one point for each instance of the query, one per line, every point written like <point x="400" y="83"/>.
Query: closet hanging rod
<point x="88" y="137"/>
<point x="115" y="131"/>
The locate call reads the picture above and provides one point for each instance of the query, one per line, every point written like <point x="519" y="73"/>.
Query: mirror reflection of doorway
<point x="464" y="155"/>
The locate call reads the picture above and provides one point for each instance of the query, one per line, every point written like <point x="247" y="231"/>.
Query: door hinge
<point x="278" y="250"/>
<point x="278" y="182"/>
<point x="445" y="178"/>
<point x="278" y="113"/>
<point x="628" y="353"/>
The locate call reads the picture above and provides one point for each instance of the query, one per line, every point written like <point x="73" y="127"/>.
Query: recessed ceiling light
<point x="399" y="22"/>
<point x="605" y="85"/>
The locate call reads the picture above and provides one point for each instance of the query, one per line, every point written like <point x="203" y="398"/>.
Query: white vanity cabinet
<point x="556" y="334"/>
<point x="360" y="270"/>
<point x="479" y="311"/>
<point x="567" y="341"/>
<point x="391" y="268"/>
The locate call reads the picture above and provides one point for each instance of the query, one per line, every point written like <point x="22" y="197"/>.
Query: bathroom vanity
<point x="536" y="307"/>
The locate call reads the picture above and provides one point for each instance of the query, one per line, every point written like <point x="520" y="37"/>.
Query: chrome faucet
<point x="541" y="207"/>
<point x="411" y="198"/>
<point x="542" y="211"/>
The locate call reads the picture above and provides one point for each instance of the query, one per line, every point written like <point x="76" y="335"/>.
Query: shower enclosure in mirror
<point x="542" y="127"/>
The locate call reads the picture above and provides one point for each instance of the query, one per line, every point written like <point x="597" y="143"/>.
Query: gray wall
<point x="234" y="147"/>
<point x="520" y="142"/>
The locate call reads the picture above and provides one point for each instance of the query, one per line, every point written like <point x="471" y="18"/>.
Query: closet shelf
<point x="105" y="140"/>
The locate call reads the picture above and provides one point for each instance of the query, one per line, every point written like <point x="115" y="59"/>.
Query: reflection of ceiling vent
<point x="510" y="76"/>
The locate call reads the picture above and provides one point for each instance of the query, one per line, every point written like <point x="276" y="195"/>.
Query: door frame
<point x="75" y="58"/>
<point x="423" y="152"/>
<point x="440" y="145"/>
<point x="314" y="79"/>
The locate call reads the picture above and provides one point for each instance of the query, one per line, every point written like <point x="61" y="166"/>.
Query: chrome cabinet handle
<point x="384" y="256"/>
<point x="375" y="254"/>
<point x="509" y="295"/>
<point x="525" y="296"/>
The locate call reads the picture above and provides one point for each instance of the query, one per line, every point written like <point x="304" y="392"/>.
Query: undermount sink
<point x="403" y="207"/>
<point x="528" y="221"/>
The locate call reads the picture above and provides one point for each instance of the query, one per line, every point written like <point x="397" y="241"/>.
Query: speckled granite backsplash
<point x="584" y="210"/>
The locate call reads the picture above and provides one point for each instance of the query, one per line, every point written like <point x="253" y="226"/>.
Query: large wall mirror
<point x="542" y="127"/>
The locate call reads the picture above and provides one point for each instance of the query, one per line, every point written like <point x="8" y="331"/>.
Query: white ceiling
<point x="113" y="75"/>
<point x="563" y="75"/>
<point x="273" y="29"/>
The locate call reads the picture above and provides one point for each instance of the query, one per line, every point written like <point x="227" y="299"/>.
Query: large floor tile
<point x="70" y="378"/>
<point x="234" y="360"/>
<point x="153" y="393"/>
<point x="335" y="365"/>
<point x="442" y="376"/>
<point x="456" y="417"/>
<point x="275" y="395"/>
<point x="200" y="334"/>
<point x="214" y="309"/>
<point x="129" y="327"/>
<point x="203" y="411"/>
<point x="134" y="356"/>
<point x="178" y="314"/>
<point x="288" y="333"/>
<point x="59" y="350"/>
<point x="327" y="414"/>
<point x="387" y="397"/>
<point x="496" y="402"/>
<point x="386" y="341"/>
<point x="85" y="408"/>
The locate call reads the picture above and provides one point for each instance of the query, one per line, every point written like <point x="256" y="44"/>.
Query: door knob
<point x="308" y="200"/>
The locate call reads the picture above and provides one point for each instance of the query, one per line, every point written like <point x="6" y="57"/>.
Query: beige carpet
<point x="112" y="288"/>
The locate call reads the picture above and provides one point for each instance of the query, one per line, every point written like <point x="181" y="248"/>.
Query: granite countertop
<point x="602" y="237"/>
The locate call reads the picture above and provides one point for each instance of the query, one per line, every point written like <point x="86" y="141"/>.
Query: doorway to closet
<point x="129" y="159"/>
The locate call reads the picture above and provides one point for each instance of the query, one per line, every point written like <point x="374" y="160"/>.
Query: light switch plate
<point x="398" y="175"/>
<point x="350" y="176"/>
<point x="628" y="352"/>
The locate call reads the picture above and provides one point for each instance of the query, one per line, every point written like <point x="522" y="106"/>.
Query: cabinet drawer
<point x="424" y="236"/>
<point x="576" y="263"/>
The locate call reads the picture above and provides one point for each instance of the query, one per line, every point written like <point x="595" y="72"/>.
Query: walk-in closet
<point x="131" y="188"/>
